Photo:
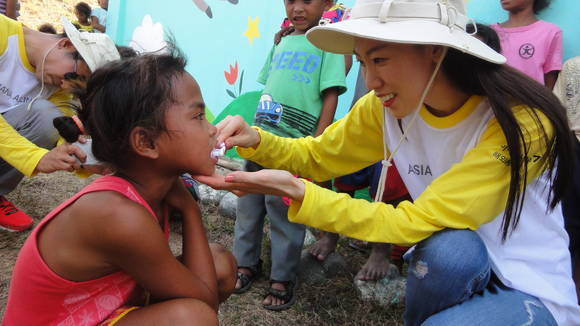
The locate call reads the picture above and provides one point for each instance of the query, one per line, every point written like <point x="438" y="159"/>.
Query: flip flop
<point x="287" y="295"/>
<point x="248" y="280"/>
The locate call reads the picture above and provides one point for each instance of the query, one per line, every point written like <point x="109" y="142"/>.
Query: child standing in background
<point x="530" y="45"/>
<point x="83" y="13"/>
<point x="302" y="85"/>
<point x="99" y="16"/>
<point x="10" y="8"/>
<point x="96" y="258"/>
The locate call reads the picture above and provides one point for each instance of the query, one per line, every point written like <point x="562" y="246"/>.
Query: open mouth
<point x="388" y="100"/>
<point x="299" y="20"/>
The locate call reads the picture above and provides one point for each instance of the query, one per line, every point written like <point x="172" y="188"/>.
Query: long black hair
<point x="504" y="88"/>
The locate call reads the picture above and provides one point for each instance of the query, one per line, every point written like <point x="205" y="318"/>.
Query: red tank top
<point x="38" y="296"/>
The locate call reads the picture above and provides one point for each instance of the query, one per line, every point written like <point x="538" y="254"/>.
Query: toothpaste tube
<point x="219" y="151"/>
<point x="86" y="148"/>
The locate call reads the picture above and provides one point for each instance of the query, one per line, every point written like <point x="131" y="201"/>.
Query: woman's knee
<point x="41" y="116"/>
<point x="451" y="253"/>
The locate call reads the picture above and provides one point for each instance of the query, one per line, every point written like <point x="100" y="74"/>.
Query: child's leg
<point x="249" y="228"/>
<point x="444" y="270"/>
<point x="171" y="313"/>
<point x="326" y="244"/>
<point x="287" y="240"/>
<point x="226" y="270"/>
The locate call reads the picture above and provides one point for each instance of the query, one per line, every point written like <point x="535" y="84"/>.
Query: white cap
<point x="434" y="22"/>
<point x="96" y="49"/>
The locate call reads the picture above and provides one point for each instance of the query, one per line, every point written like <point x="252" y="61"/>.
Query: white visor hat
<point x="96" y="49"/>
<point x="435" y="22"/>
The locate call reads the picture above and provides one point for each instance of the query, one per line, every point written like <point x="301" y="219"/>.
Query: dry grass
<point x="332" y="303"/>
<point x="34" y="13"/>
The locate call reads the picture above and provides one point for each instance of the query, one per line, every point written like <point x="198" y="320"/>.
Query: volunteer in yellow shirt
<point x="33" y="66"/>
<point x="484" y="151"/>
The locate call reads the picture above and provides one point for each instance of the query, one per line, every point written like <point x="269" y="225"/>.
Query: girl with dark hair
<point x="83" y="13"/>
<point x="531" y="45"/>
<point x="484" y="151"/>
<point x="93" y="258"/>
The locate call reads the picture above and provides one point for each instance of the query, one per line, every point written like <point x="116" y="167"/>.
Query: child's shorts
<point x="117" y="315"/>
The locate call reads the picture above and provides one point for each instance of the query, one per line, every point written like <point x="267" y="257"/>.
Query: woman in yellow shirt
<point x="484" y="151"/>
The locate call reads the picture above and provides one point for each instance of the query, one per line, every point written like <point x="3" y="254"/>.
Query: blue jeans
<point x="450" y="282"/>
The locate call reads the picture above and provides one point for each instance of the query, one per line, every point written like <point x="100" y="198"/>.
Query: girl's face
<point x="80" y="16"/>
<point x="516" y="5"/>
<point x="398" y="73"/>
<point x="305" y="14"/>
<point x="104" y="4"/>
<point x="190" y="138"/>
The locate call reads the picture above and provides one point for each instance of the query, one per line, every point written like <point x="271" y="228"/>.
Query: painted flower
<point x="232" y="76"/>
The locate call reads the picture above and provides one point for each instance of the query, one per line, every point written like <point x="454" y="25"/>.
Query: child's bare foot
<point x="324" y="246"/>
<point x="377" y="266"/>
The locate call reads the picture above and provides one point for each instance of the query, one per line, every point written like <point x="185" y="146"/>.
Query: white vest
<point x="535" y="258"/>
<point x="18" y="85"/>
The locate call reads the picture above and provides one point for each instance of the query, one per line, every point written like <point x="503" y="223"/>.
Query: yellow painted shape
<point x="253" y="30"/>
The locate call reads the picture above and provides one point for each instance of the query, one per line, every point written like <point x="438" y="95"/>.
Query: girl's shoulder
<point x="547" y="25"/>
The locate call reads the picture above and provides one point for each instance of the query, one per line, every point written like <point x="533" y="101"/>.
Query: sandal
<point x="248" y="280"/>
<point x="287" y="295"/>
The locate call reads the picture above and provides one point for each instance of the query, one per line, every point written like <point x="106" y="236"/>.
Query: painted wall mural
<point x="227" y="41"/>
<point x="203" y="6"/>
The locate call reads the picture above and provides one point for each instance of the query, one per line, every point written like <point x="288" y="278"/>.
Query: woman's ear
<point x="65" y="43"/>
<point x="436" y="52"/>
<point x="328" y="5"/>
<point x="143" y="143"/>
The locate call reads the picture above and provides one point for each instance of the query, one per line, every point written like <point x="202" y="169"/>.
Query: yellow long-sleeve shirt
<point x="457" y="169"/>
<point x="18" y="85"/>
<point x="473" y="191"/>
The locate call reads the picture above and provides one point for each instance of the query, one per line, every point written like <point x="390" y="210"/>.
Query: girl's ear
<point x="142" y="143"/>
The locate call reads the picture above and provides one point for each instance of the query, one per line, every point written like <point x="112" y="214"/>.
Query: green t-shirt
<point x="295" y="75"/>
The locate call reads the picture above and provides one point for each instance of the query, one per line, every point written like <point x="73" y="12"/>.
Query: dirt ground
<point x="334" y="302"/>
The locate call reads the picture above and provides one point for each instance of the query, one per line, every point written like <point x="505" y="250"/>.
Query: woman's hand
<point x="272" y="182"/>
<point x="62" y="157"/>
<point x="234" y="131"/>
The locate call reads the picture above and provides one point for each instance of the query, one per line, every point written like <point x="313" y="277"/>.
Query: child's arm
<point x="196" y="254"/>
<point x="329" y="103"/>
<point x="347" y="63"/>
<point x="11" y="8"/>
<point x="96" y="25"/>
<point x="550" y="79"/>
<point x="126" y="236"/>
